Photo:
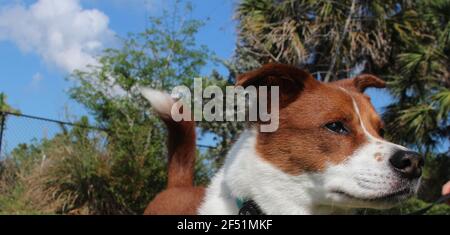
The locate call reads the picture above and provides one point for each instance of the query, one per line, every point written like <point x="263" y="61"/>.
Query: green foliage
<point x="12" y="203"/>
<point x="327" y="37"/>
<point x="409" y="207"/>
<point x="436" y="173"/>
<point x="122" y="170"/>
<point x="419" y="79"/>
<point x="75" y="172"/>
<point x="78" y="173"/>
<point x="160" y="57"/>
<point x="4" y="105"/>
<point x="225" y="133"/>
<point x="59" y="175"/>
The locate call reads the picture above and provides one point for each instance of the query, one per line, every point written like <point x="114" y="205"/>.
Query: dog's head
<point x="332" y="131"/>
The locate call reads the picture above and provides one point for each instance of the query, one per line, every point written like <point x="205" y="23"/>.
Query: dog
<point x="328" y="155"/>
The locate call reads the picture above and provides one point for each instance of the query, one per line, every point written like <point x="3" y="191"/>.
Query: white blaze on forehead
<point x="355" y="106"/>
<point x="366" y="132"/>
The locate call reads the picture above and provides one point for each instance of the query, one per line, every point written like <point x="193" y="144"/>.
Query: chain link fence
<point x="17" y="129"/>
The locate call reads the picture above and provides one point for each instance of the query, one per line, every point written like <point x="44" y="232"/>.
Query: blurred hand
<point x="446" y="189"/>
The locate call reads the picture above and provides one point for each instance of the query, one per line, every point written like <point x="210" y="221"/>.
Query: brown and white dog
<point x="327" y="156"/>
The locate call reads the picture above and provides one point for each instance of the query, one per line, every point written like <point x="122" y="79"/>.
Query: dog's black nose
<point x="409" y="164"/>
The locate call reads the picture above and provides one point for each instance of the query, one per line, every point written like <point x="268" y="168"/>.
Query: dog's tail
<point x="181" y="140"/>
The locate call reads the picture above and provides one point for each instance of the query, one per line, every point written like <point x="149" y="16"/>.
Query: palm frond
<point x="442" y="99"/>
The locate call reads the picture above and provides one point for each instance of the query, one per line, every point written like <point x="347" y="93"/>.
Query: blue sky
<point x="42" y="41"/>
<point x="36" y="85"/>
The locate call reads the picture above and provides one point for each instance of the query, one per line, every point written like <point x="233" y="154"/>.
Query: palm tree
<point x="330" y="38"/>
<point x="420" y="79"/>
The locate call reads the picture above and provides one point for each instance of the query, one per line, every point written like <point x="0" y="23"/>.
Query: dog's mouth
<point x="386" y="197"/>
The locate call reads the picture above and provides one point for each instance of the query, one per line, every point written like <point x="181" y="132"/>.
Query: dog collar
<point x="248" y="207"/>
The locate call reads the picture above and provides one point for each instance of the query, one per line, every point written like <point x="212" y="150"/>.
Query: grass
<point x="15" y="203"/>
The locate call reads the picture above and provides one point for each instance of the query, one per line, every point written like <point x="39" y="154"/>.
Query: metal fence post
<point x="2" y="128"/>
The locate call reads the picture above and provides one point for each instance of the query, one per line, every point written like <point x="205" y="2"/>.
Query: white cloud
<point x="35" y="81"/>
<point x="60" y="31"/>
<point x="37" y="78"/>
<point x="152" y="6"/>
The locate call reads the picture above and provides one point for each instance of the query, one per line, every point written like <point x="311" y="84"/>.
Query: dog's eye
<point x="381" y="132"/>
<point x="337" y="127"/>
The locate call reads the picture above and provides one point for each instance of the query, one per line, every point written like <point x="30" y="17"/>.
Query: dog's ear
<point x="290" y="80"/>
<point x="361" y="82"/>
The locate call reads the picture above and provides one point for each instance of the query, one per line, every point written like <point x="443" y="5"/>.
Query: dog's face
<point x="332" y="132"/>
